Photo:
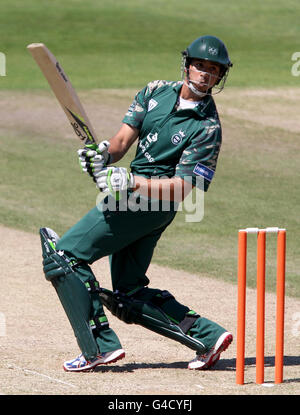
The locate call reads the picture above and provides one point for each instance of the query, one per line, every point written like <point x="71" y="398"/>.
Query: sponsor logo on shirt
<point x="204" y="171"/>
<point x="152" y="104"/>
<point x="177" y="138"/>
<point x="151" y="138"/>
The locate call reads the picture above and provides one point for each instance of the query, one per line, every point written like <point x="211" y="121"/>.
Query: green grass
<point x="125" y="44"/>
<point x="119" y="43"/>
<point x="45" y="186"/>
<point x="40" y="191"/>
<point x="41" y="185"/>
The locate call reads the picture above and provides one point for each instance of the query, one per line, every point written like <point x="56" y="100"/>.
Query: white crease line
<point x="42" y="375"/>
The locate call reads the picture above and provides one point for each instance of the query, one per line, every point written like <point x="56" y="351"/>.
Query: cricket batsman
<point x="178" y="135"/>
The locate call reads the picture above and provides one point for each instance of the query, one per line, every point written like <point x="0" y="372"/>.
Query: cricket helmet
<point x="208" y="48"/>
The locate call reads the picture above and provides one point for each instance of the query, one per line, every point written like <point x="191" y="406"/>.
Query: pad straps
<point x="161" y="298"/>
<point x="188" y="321"/>
<point x="100" y="321"/>
<point x="190" y="317"/>
<point x="92" y="286"/>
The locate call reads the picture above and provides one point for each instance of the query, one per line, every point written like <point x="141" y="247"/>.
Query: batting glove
<point x="93" y="158"/>
<point x="114" y="179"/>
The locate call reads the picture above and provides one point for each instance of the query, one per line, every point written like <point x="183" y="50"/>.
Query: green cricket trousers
<point x="128" y="236"/>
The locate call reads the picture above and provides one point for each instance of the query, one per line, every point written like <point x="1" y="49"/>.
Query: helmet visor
<point x="204" y="77"/>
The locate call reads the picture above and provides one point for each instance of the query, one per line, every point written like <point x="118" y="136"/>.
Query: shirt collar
<point x="205" y="106"/>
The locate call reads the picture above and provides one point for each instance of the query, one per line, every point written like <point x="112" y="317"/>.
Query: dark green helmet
<point x="208" y="48"/>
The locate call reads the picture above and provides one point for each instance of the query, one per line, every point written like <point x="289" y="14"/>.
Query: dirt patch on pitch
<point x="35" y="336"/>
<point x="277" y="107"/>
<point x="39" y="112"/>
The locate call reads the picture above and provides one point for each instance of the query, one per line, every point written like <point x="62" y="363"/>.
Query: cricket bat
<point x="64" y="92"/>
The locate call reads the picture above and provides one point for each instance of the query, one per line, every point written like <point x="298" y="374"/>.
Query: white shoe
<point x="80" y="364"/>
<point x="210" y="358"/>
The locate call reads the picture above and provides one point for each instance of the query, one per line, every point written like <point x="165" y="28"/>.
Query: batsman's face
<point x="204" y="74"/>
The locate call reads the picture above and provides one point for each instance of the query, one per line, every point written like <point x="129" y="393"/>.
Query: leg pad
<point x="71" y="291"/>
<point x="135" y="309"/>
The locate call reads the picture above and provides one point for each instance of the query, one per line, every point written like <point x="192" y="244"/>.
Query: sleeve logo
<point x="152" y="104"/>
<point x="201" y="170"/>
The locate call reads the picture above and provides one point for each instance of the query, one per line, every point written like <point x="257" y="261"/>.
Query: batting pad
<point x="145" y="313"/>
<point x="72" y="293"/>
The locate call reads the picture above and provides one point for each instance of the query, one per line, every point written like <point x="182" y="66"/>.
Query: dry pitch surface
<point x="35" y="336"/>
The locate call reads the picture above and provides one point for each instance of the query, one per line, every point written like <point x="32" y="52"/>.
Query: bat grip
<point x="116" y="195"/>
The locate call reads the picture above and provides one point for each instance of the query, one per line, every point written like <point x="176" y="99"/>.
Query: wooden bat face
<point x="64" y="92"/>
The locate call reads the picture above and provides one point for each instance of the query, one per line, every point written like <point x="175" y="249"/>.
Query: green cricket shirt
<point x="184" y="143"/>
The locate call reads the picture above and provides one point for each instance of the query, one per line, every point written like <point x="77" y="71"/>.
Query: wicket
<point x="260" y="317"/>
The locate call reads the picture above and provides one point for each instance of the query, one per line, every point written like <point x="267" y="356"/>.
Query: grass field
<point x="119" y="43"/>
<point x="124" y="44"/>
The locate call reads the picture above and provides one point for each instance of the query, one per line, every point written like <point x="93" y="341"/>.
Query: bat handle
<point x="94" y="146"/>
<point x="91" y="144"/>
<point x="116" y="195"/>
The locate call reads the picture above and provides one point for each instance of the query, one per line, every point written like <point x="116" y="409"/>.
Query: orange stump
<point x="241" y="314"/>
<point x="260" y="313"/>
<point x="281" y="249"/>
<point x="260" y="317"/>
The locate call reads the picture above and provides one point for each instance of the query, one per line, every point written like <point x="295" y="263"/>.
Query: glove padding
<point x="93" y="158"/>
<point x="114" y="179"/>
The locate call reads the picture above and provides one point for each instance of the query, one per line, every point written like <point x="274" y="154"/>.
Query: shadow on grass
<point x="230" y="364"/>
<point x="131" y="367"/>
<point x="222" y="365"/>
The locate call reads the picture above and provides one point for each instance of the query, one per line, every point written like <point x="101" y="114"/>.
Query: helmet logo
<point x="212" y="51"/>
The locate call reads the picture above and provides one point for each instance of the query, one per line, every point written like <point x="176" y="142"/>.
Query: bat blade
<point x="64" y="92"/>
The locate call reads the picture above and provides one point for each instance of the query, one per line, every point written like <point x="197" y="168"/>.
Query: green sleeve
<point x="198" y="162"/>
<point x="137" y="110"/>
<point x="139" y="107"/>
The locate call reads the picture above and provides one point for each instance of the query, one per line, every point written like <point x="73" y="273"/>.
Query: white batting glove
<point x="114" y="179"/>
<point x="93" y="158"/>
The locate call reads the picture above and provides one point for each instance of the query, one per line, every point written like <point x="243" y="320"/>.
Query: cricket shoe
<point x="209" y="359"/>
<point x="80" y="364"/>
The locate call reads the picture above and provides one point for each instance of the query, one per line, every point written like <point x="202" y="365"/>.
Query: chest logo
<point x="152" y="104"/>
<point x="177" y="138"/>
